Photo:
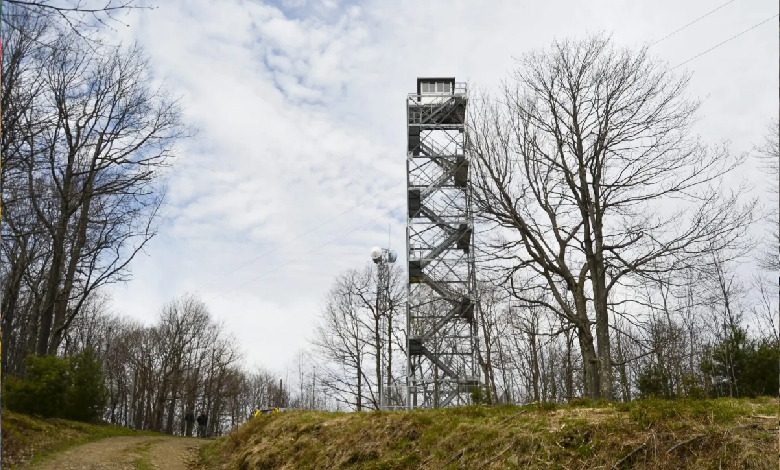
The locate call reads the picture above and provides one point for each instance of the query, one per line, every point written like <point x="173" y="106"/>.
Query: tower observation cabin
<point x="441" y="329"/>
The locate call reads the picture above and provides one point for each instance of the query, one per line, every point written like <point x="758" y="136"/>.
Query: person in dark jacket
<point x="202" y="422"/>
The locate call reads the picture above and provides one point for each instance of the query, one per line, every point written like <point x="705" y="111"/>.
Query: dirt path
<point x="175" y="453"/>
<point x="126" y="453"/>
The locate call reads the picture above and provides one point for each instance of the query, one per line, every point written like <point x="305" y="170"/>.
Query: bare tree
<point x="341" y="339"/>
<point x="84" y="138"/>
<point x="24" y="243"/>
<point x="87" y="154"/>
<point x="588" y="163"/>
<point x="82" y="17"/>
<point x="351" y="341"/>
<point x="491" y="303"/>
<point x="768" y="153"/>
<point x="765" y="308"/>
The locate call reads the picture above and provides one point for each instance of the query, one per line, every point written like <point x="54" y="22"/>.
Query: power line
<point x="263" y="255"/>
<point x="692" y="22"/>
<point x="274" y="269"/>
<point x="724" y="42"/>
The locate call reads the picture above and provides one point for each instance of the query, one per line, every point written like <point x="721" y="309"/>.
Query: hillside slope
<point x="26" y="439"/>
<point x="686" y="434"/>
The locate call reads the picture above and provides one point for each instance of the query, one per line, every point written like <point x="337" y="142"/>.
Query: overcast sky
<point x="300" y="106"/>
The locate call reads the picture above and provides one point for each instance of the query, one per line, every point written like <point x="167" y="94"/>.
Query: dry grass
<point x="709" y="434"/>
<point x="26" y="439"/>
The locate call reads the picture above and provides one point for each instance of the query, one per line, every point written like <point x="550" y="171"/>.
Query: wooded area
<point x="616" y="254"/>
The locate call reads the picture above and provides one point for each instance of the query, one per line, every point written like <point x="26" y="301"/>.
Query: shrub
<point x="86" y="398"/>
<point x="653" y="382"/>
<point x="69" y="388"/>
<point x="759" y="378"/>
<point x="480" y="395"/>
<point x="43" y="391"/>
<point x="743" y="367"/>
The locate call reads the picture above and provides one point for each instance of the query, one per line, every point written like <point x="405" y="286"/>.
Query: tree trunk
<point x="171" y="413"/>
<point x="553" y="385"/>
<point x="10" y="297"/>
<point x="589" y="365"/>
<point x="359" y="371"/>
<point x="61" y="305"/>
<point x="624" y="387"/>
<point x="487" y="363"/>
<point x="159" y="408"/>
<point x="35" y="313"/>
<point x="51" y="296"/>
<point x="569" y="379"/>
<point x="52" y="288"/>
<point x="591" y="213"/>
<point x="508" y="396"/>
<point x="602" y="338"/>
<point x="534" y="363"/>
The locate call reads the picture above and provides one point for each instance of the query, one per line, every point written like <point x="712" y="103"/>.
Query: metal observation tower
<point x="441" y="329"/>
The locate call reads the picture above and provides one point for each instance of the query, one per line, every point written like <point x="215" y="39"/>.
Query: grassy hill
<point x="686" y="434"/>
<point x="26" y="439"/>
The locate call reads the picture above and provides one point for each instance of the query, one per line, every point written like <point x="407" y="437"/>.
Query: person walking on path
<point x="202" y="422"/>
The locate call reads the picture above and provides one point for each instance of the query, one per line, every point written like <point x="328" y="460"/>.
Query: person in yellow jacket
<point x="257" y="413"/>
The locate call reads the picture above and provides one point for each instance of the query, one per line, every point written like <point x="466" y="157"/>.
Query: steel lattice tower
<point x="440" y="305"/>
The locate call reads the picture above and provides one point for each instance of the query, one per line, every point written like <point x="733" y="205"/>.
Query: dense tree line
<point x="150" y="377"/>
<point x="695" y="335"/>
<point x="184" y="362"/>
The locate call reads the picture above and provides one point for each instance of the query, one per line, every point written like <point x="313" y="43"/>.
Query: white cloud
<point x="301" y="117"/>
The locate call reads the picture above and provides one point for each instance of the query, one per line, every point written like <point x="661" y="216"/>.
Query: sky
<point x="298" y="166"/>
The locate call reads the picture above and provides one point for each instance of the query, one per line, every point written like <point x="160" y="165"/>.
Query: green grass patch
<point x="143" y="462"/>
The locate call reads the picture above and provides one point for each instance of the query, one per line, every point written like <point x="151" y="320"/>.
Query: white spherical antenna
<point x="376" y="253"/>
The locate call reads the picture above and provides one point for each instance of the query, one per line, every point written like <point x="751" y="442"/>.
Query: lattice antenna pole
<point x="383" y="258"/>
<point x="441" y="326"/>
